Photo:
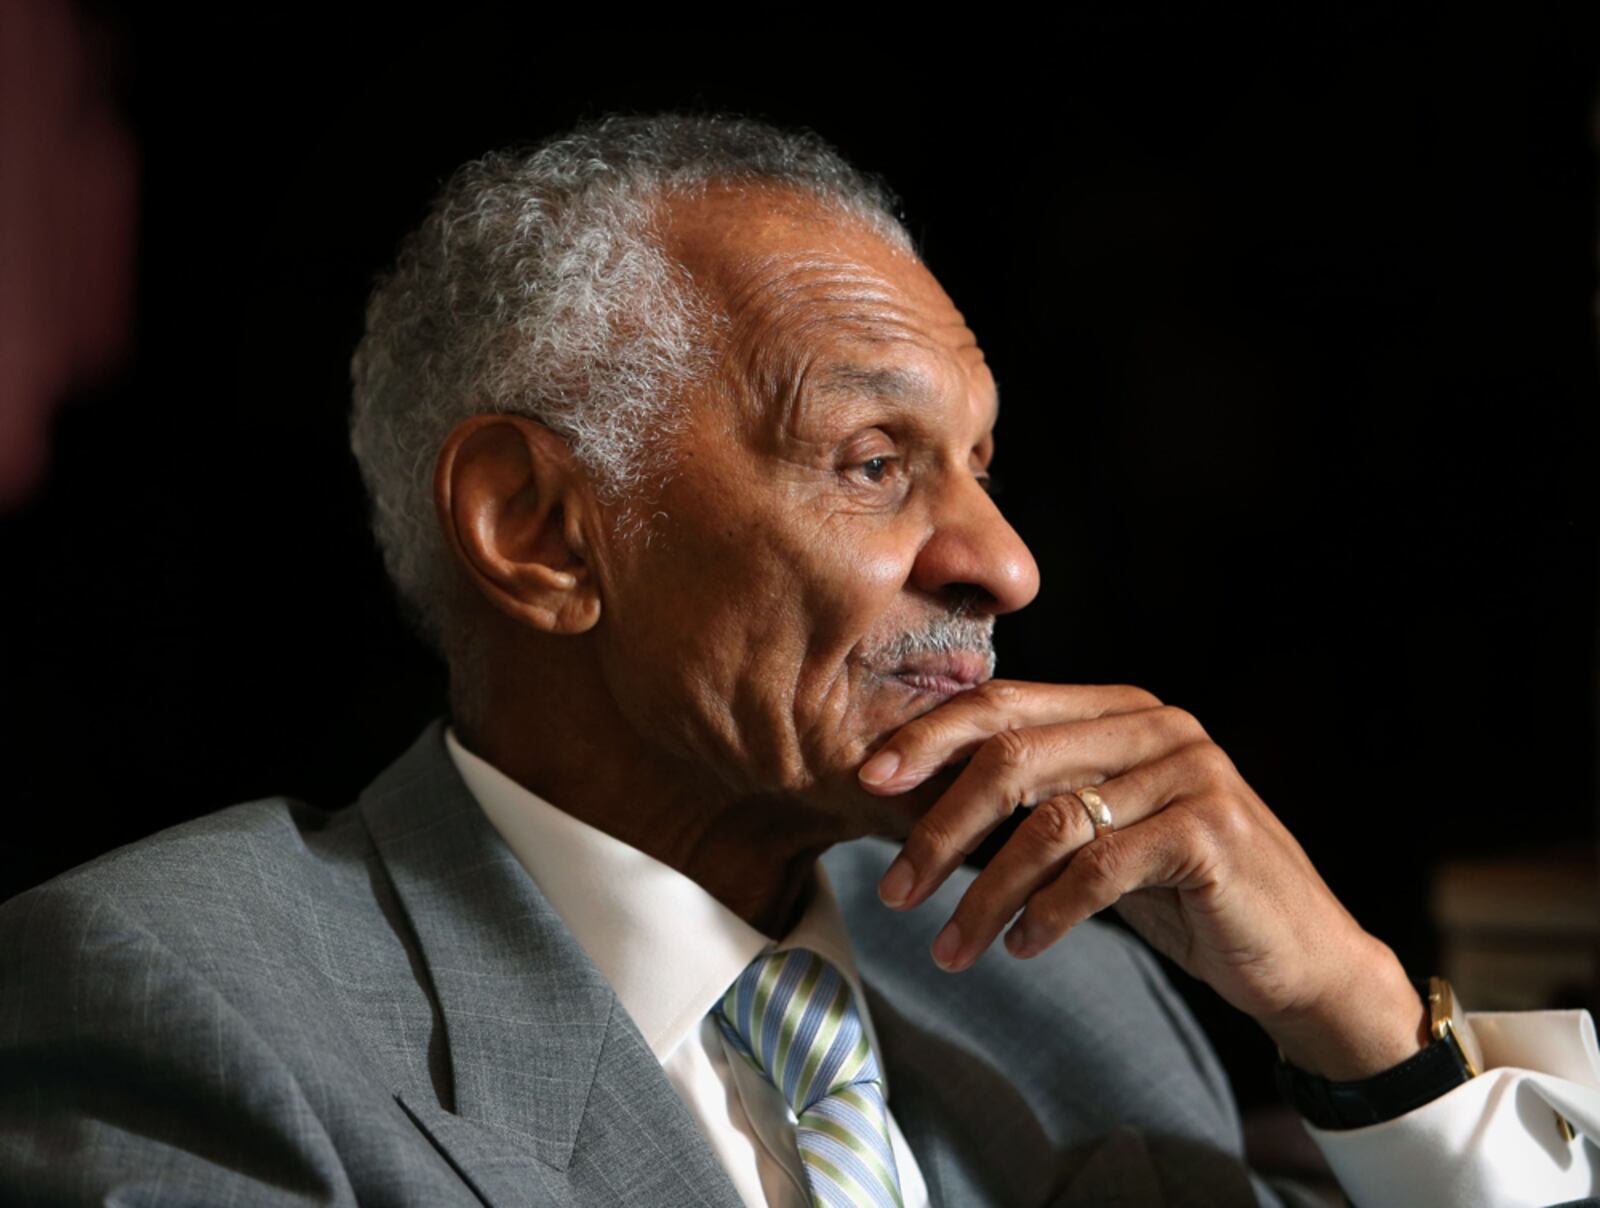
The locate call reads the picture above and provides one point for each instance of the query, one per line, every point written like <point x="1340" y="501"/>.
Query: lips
<point x="943" y="674"/>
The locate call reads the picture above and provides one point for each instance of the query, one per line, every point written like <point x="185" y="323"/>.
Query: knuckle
<point x="917" y="734"/>
<point x="1181" y="722"/>
<point x="1044" y="916"/>
<point x="1210" y="760"/>
<point x="1138" y="698"/>
<point x="1055" y="824"/>
<point x="1100" y="866"/>
<point x="997" y="694"/>
<point x="1007" y="751"/>
<point x="1231" y="823"/>
<point x="934" y="838"/>
<point x="1193" y="832"/>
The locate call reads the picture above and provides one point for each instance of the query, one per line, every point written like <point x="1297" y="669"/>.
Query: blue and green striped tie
<point x="794" y="1018"/>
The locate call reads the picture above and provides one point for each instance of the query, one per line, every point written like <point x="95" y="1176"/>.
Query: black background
<point x="1293" y="325"/>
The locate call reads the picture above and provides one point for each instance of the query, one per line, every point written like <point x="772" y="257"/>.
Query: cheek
<point x="848" y="584"/>
<point x="707" y="635"/>
<point x="883" y="567"/>
<point x="839" y="702"/>
<point x="732" y="641"/>
<point x="793" y="609"/>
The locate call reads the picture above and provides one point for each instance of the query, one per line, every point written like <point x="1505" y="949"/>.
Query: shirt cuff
<point x="1495" y="1138"/>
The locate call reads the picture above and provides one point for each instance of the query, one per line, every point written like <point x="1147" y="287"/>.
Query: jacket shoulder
<point x="270" y="914"/>
<point x="248" y="893"/>
<point x="186" y="1017"/>
<point x="254" y="852"/>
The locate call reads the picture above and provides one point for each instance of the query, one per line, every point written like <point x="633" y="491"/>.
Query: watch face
<point x="1448" y="1019"/>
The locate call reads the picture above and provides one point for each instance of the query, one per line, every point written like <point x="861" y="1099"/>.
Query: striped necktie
<point x="794" y="1018"/>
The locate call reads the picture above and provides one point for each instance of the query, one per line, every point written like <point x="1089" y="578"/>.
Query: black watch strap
<point x="1438" y="1068"/>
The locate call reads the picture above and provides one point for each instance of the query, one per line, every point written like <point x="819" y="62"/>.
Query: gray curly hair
<point x="537" y="286"/>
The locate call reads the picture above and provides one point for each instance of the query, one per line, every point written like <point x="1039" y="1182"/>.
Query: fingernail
<point x="948" y="944"/>
<point x="897" y="882"/>
<point x="881" y="767"/>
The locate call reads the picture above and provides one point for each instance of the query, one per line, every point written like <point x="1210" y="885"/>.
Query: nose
<point x="974" y="552"/>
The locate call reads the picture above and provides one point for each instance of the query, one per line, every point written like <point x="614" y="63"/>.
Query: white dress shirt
<point x="670" y="950"/>
<point x="1494" y="1140"/>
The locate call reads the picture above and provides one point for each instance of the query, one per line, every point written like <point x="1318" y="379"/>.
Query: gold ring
<point x="1099" y="812"/>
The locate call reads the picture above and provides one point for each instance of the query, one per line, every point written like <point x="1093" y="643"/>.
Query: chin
<point x="870" y="813"/>
<point x="896" y="707"/>
<point x="895" y="816"/>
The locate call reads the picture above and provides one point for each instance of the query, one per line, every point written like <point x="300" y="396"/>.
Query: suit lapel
<point x="523" y="1044"/>
<point x="541" y="1052"/>
<point x="981" y="1134"/>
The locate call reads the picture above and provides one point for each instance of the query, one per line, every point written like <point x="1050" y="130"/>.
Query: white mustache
<point x="955" y="634"/>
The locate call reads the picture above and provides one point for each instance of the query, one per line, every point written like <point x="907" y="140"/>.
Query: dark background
<point x="1295" y="336"/>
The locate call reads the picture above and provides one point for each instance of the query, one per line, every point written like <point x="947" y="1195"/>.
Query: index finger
<point x="957" y="728"/>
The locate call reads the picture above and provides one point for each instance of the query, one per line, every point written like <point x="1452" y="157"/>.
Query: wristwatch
<point x="1448" y="1060"/>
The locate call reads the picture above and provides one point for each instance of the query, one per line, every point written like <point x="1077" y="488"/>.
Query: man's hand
<point x="1198" y="864"/>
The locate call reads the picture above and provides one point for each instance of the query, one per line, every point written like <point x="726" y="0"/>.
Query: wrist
<point x="1449" y="1059"/>
<point x="1372" y="1020"/>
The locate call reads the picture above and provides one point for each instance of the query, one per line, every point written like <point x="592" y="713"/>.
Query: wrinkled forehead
<point x="807" y="294"/>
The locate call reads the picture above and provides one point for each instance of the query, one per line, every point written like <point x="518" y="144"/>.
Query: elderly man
<point x="679" y="454"/>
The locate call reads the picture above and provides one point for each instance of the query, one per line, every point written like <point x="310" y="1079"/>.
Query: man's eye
<point x="875" y="469"/>
<point x="989" y="483"/>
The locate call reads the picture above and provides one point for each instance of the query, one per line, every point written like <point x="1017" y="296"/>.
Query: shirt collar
<point x="669" y="949"/>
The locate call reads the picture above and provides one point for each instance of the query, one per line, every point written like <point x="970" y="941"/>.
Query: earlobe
<point x="513" y="507"/>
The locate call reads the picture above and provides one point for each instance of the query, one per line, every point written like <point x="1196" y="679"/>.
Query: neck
<point x="755" y="853"/>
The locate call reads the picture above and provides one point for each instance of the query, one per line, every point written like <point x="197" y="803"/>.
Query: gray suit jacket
<point x="277" y="1005"/>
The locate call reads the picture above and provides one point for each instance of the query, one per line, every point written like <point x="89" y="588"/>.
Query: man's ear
<point x="516" y="510"/>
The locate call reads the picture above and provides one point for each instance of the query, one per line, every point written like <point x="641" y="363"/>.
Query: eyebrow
<point x="888" y="383"/>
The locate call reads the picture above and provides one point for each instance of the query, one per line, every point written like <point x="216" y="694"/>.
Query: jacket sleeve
<point x="126" y="1078"/>
<point x="1495" y="1138"/>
